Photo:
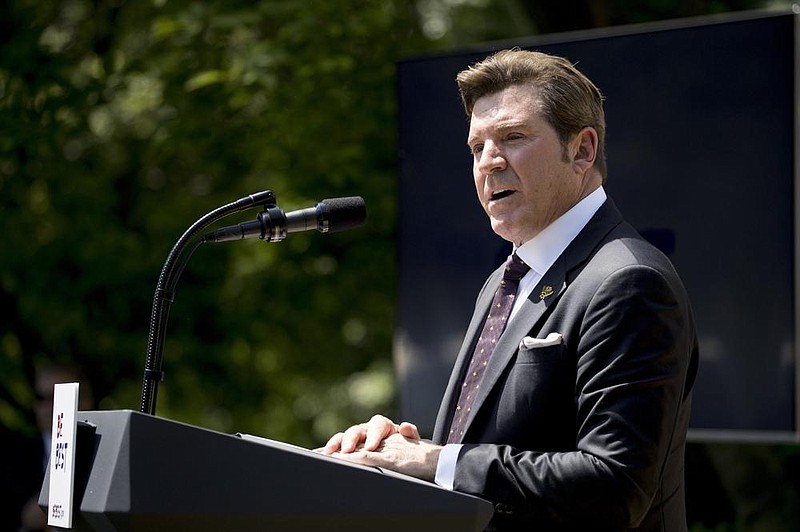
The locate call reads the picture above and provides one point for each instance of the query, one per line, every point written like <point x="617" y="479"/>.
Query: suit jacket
<point x="588" y="434"/>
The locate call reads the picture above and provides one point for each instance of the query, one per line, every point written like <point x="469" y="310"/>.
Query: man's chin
<point x="509" y="231"/>
<point x="503" y="229"/>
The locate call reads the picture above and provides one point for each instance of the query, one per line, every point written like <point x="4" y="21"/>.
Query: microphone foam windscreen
<point x="345" y="213"/>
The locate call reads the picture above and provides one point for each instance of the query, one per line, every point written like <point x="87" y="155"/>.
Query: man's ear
<point x="584" y="150"/>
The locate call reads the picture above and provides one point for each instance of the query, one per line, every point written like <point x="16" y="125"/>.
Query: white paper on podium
<point x="62" y="455"/>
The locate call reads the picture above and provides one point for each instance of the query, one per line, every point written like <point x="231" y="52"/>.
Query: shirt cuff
<point x="446" y="467"/>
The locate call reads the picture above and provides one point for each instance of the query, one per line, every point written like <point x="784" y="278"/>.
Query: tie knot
<point x="515" y="268"/>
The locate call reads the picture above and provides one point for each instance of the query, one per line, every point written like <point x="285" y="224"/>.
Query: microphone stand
<point x="165" y="291"/>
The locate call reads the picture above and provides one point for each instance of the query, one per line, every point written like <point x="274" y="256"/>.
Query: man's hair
<point x="569" y="100"/>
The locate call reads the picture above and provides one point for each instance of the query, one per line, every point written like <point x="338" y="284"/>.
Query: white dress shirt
<point x="539" y="253"/>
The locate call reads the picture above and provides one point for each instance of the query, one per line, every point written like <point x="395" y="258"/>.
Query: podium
<point x="134" y="471"/>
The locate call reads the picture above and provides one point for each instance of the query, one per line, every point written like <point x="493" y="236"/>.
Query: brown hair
<point x="569" y="100"/>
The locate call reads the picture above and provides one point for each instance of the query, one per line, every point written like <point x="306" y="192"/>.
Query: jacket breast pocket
<point x="541" y="355"/>
<point x="536" y="401"/>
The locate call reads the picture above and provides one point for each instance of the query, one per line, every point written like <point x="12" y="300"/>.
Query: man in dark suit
<point x="574" y="415"/>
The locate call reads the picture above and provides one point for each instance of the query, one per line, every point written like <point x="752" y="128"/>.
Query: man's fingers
<point x="378" y="428"/>
<point x="370" y="434"/>
<point x="409" y="430"/>
<point x="334" y="444"/>
<point x="352" y="437"/>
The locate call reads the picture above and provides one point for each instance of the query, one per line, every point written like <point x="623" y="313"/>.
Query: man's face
<point x="521" y="175"/>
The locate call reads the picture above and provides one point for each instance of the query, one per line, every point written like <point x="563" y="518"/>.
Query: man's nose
<point x="492" y="159"/>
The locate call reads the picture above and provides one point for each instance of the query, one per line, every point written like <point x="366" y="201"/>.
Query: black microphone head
<point x="343" y="213"/>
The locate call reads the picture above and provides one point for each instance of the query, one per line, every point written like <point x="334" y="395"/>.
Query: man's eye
<point x="476" y="149"/>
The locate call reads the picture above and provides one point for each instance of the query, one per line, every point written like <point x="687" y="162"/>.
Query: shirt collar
<point x="541" y="251"/>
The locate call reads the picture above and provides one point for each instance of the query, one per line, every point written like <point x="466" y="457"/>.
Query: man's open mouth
<point x="500" y="194"/>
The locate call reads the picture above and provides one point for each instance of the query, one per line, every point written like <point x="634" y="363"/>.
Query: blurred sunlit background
<point x="123" y="122"/>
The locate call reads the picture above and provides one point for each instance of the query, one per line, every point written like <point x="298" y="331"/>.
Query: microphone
<point x="273" y="224"/>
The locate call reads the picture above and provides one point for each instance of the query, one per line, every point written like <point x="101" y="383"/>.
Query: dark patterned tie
<point x="492" y="329"/>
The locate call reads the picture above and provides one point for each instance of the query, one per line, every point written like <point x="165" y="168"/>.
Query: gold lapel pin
<point x="547" y="291"/>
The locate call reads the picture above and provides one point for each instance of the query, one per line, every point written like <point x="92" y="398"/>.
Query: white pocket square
<point x="532" y="343"/>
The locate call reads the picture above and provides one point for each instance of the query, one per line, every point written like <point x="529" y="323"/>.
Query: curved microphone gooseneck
<point x="165" y="292"/>
<point x="271" y="225"/>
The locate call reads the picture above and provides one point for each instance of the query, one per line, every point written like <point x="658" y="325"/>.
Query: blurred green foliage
<point x="122" y="122"/>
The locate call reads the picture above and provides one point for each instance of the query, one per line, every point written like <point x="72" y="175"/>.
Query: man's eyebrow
<point x="512" y="123"/>
<point x="502" y="127"/>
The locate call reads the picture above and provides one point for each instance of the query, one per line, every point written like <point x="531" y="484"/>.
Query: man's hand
<point x="368" y="435"/>
<point x="381" y="442"/>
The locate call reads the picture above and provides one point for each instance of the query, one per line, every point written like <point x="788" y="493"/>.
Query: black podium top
<point x="134" y="471"/>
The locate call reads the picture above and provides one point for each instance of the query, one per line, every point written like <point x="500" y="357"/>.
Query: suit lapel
<point x="546" y="294"/>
